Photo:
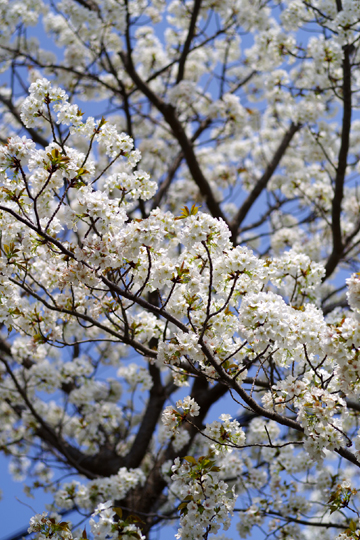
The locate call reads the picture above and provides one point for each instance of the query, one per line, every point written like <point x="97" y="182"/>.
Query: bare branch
<point x="189" y="38"/>
<point x="34" y="134"/>
<point x="338" y="246"/>
<point x="169" y="114"/>
<point x="263" y="181"/>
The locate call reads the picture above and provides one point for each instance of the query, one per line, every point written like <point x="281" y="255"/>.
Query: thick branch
<point x="146" y="499"/>
<point x="328" y="308"/>
<point x="89" y="4"/>
<point x="164" y="186"/>
<point x="86" y="465"/>
<point x="169" y="114"/>
<point x="103" y="464"/>
<point x="338" y="245"/>
<point x="186" y="49"/>
<point x="174" y="167"/>
<point x="153" y="411"/>
<point x="263" y="181"/>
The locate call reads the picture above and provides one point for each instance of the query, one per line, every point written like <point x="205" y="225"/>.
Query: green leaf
<point x="64" y="526"/>
<point x="352" y="525"/>
<point x="118" y="511"/>
<point x="81" y="171"/>
<point x="185" y="212"/>
<point x="190" y="459"/>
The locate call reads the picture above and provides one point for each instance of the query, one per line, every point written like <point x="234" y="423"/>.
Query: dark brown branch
<point x="174" y="167"/>
<point x="189" y="38"/>
<point x="36" y="137"/>
<point x="353" y="405"/>
<point x="338" y="245"/>
<point x="5" y="347"/>
<point x="103" y="464"/>
<point x="254" y="406"/>
<point x="328" y="308"/>
<point x="89" y="4"/>
<point x="169" y="114"/>
<point x="147" y="498"/>
<point x="256" y="382"/>
<point x="263" y="181"/>
<point x="164" y="186"/>
<point x="153" y="411"/>
<point x="112" y="286"/>
<point x="74" y="456"/>
<point x="291" y="519"/>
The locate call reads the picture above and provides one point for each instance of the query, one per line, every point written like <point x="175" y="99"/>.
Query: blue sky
<point x="14" y="515"/>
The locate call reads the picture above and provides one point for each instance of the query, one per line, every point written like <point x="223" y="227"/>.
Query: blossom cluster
<point x="208" y="501"/>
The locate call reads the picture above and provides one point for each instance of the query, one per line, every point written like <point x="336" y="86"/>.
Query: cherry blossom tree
<point x="179" y="296"/>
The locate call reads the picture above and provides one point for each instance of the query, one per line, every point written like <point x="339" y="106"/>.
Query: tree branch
<point x="83" y="464"/>
<point x="271" y="415"/>
<point x="189" y="37"/>
<point x="263" y="181"/>
<point x="338" y="246"/>
<point x="291" y="519"/>
<point x="36" y="137"/>
<point x="153" y="411"/>
<point x="169" y="114"/>
<point x="148" y="497"/>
